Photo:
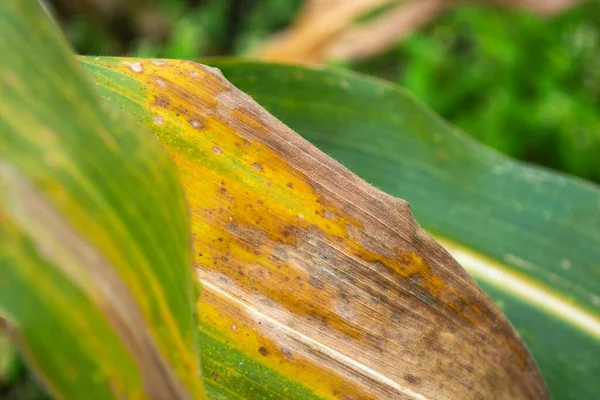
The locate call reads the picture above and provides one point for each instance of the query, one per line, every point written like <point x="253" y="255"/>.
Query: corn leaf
<point x="315" y="284"/>
<point x="96" y="284"/>
<point x="529" y="236"/>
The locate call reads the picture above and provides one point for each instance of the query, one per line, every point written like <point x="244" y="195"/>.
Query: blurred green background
<point x="524" y="84"/>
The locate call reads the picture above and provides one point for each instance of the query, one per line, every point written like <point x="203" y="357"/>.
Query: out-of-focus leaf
<point x="8" y="359"/>
<point x="315" y="283"/>
<point x="95" y="262"/>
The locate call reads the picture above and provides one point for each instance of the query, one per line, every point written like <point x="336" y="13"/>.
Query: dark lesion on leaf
<point x="162" y="101"/>
<point x="263" y="351"/>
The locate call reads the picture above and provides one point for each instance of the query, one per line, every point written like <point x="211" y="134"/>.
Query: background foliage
<point x="524" y="84"/>
<point x="527" y="86"/>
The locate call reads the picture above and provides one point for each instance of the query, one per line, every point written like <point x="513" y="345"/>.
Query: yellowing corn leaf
<point x="315" y="284"/>
<point x="529" y="236"/>
<point x="96" y="284"/>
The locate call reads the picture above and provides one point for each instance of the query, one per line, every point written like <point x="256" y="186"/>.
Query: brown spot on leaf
<point x="196" y="123"/>
<point x="162" y="101"/>
<point x="412" y="379"/>
<point x="263" y="350"/>
<point x="257" y="167"/>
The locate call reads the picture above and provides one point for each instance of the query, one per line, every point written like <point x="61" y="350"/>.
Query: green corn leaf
<point x="96" y="281"/>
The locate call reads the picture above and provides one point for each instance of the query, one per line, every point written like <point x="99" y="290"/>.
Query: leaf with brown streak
<point x="96" y="293"/>
<point x="309" y="271"/>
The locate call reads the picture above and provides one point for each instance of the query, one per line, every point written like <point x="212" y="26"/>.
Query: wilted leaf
<point x="531" y="238"/>
<point x="96" y="283"/>
<point x="310" y="275"/>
